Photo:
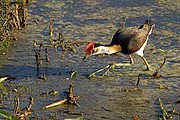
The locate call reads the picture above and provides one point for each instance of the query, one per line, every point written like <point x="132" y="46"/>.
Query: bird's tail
<point x="149" y="22"/>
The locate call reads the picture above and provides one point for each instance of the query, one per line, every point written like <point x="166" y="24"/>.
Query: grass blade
<point x="3" y="45"/>
<point x="3" y="78"/>
<point x="3" y="88"/>
<point x="74" y="74"/>
<point x="8" y="115"/>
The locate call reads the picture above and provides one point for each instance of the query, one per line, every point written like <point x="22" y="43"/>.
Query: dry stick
<point x="43" y="77"/>
<point x="16" y="105"/>
<point x="61" y="41"/>
<point x="68" y="44"/>
<point x="46" y="53"/>
<point x="156" y="74"/>
<point x="17" y="111"/>
<point x="139" y="78"/>
<point x="30" y="103"/>
<point x="60" y="37"/>
<point x="40" y="47"/>
<point x="37" y="59"/>
<point x="51" y="29"/>
<point x="71" y="99"/>
<point x="165" y="115"/>
<point x="22" y="114"/>
<point x="17" y="15"/>
<point x="23" y="22"/>
<point x="39" y="54"/>
<point x="55" y="104"/>
<point x="71" y="94"/>
<point x="136" y="117"/>
<point x="75" y="42"/>
<point x="37" y="62"/>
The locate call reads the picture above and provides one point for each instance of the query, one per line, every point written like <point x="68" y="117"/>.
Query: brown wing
<point x="138" y="39"/>
<point x="131" y="39"/>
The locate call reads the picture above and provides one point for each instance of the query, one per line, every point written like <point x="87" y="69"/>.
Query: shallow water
<point x="115" y="96"/>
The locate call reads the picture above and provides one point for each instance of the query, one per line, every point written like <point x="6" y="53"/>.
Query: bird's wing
<point x="131" y="38"/>
<point x="139" y="36"/>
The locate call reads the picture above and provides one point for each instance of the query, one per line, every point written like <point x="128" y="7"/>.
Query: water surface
<point x="114" y="97"/>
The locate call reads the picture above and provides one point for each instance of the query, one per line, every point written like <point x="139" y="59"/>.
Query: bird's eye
<point x="93" y="51"/>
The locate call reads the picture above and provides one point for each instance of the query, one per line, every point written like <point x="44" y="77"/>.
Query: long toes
<point x="149" y="69"/>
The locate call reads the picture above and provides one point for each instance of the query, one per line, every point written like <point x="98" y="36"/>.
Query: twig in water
<point x="55" y="104"/>
<point x="136" y="117"/>
<point x="51" y="28"/>
<point x="47" y="57"/>
<point x="139" y="78"/>
<point x="22" y="113"/>
<point x="37" y="59"/>
<point x="40" y="47"/>
<point x="71" y="99"/>
<point x="165" y="115"/>
<point x="43" y="77"/>
<point x="60" y="37"/>
<point x="156" y="74"/>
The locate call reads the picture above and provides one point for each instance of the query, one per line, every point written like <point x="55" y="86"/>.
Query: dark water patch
<point x="130" y="3"/>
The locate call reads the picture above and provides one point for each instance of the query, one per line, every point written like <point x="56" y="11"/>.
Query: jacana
<point x="127" y="40"/>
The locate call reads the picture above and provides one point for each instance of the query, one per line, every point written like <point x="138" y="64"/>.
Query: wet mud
<point x="114" y="97"/>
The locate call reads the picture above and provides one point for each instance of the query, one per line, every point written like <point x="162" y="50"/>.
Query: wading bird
<point x="127" y="41"/>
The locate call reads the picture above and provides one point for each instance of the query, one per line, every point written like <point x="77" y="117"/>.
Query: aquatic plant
<point x="7" y="115"/>
<point x="13" y="15"/>
<point x="2" y="86"/>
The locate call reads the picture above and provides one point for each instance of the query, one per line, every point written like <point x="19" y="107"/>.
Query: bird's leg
<point x="147" y="64"/>
<point x="131" y="59"/>
<point x="126" y="64"/>
<point x="111" y="66"/>
<point x="106" y="69"/>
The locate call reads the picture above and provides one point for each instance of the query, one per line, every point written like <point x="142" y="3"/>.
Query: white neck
<point x="107" y="49"/>
<point x="101" y="50"/>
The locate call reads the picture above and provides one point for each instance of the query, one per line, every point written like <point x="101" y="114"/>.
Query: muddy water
<point x="114" y="97"/>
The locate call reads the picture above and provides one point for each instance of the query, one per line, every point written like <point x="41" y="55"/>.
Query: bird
<point x="127" y="41"/>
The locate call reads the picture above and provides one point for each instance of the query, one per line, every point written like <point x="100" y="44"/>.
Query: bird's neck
<point x="109" y="49"/>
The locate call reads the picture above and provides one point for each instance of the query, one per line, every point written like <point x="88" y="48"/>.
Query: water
<point x="114" y="97"/>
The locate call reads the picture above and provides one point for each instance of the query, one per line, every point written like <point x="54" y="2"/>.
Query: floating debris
<point x="71" y="99"/>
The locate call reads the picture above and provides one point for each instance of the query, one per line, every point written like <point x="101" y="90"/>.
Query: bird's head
<point x="94" y="49"/>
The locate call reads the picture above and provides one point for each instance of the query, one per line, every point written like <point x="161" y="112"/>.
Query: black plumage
<point x="131" y="39"/>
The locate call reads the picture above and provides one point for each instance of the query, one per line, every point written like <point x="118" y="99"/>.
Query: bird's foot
<point x="148" y="69"/>
<point x="106" y="69"/>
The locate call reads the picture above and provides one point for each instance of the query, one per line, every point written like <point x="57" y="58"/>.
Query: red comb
<point x="89" y="48"/>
